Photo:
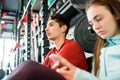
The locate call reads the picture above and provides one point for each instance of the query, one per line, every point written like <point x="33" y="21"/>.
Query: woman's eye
<point x="98" y="19"/>
<point x="90" y="23"/>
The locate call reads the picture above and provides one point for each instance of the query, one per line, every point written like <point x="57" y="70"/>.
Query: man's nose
<point x="46" y="28"/>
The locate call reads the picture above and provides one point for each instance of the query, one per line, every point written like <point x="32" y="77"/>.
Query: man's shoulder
<point x="71" y="42"/>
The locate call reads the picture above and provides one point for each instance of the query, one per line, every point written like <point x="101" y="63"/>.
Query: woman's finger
<point x="66" y="73"/>
<point x="64" y="61"/>
<point x="62" y="71"/>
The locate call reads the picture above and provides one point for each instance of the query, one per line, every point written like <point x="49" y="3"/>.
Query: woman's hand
<point x="67" y="69"/>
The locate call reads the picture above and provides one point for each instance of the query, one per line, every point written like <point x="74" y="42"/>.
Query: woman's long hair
<point x="114" y="7"/>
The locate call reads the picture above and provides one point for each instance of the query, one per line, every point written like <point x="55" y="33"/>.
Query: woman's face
<point x="103" y="22"/>
<point x="53" y="30"/>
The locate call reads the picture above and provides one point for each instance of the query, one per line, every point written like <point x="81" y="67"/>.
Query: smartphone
<point x="53" y="58"/>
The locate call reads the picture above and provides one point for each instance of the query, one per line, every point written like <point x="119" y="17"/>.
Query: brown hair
<point x="61" y="19"/>
<point x="114" y="7"/>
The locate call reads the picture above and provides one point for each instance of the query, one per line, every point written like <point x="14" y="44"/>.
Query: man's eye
<point x="51" y="24"/>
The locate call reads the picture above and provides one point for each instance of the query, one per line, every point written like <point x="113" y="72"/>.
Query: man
<point x="56" y="31"/>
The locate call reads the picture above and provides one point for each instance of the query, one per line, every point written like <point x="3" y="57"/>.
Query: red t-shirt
<point x="70" y="50"/>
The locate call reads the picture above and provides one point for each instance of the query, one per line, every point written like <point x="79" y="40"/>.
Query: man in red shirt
<point x="56" y="31"/>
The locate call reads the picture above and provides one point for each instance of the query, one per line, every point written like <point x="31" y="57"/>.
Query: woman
<point x="104" y="17"/>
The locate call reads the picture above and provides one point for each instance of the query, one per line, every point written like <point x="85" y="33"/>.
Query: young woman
<point x="104" y="17"/>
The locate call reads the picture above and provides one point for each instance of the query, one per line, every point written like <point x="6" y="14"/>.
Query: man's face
<point x="53" y="30"/>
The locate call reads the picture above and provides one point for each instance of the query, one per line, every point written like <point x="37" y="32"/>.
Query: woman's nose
<point x="96" y="26"/>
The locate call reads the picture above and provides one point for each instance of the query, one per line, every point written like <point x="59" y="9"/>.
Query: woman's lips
<point x="101" y="33"/>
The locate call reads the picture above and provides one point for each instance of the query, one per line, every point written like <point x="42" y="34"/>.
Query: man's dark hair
<point x="61" y="19"/>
